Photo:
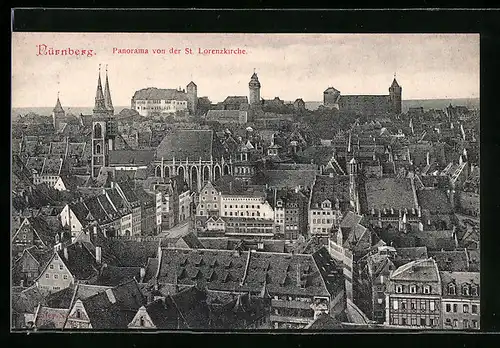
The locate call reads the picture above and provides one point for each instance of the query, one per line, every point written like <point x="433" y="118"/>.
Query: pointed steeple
<point x="100" y="105"/>
<point x="107" y="94"/>
<point x="394" y="82"/>
<point x="58" y="107"/>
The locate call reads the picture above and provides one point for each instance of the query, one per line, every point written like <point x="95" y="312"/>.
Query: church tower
<point x="254" y="87"/>
<point x="192" y="96"/>
<point x="104" y="128"/>
<point x="395" y="95"/>
<point x="57" y="114"/>
<point x="353" y="190"/>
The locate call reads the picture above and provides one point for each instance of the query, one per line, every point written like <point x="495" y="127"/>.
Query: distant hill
<point x="47" y="111"/>
<point x="425" y="103"/>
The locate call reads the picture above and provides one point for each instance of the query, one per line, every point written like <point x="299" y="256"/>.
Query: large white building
<point x="155" y="101"/>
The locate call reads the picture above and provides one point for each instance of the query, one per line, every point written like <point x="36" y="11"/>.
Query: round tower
<point x="254" y="88"/>
<point x="192" y="96"/>
<point x="395" y="96"/>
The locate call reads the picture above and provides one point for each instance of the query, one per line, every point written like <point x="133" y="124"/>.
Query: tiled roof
<point x="236" y="100"/>
<point x="151" y="268"/>
<point x="131" y="157"/>
<point x="116" y="309"/>
<point x="130" y="253"/>
<point x="389" y="193"/>
<point x="152" y="93"/>
<point x="186" y="144"/>
<point x="459" y="278"/>
<point x="290" y="178"/>
<point x="80" y="261"/>
<point x="434" y="200"/>
<point x="50" y="318"/>
<point x="420" y="270"/>
<point x="452" y="261"/>
<point x="325" y="322"/>
<point x="28" y="299"/>
<point x="225" y="270"/>
<point x="52" y="166"/>
<point x="192" y="308"/>
<point x="113" y="276"/>
<point x="330" y="188"/>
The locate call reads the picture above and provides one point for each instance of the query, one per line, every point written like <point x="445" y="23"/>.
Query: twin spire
<point x="103" y="101"/>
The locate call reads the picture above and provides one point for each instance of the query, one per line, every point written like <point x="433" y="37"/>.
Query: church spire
<point x="100" y="105"/>
<point x="58" y="107"/>
<point x="107" y="94"/>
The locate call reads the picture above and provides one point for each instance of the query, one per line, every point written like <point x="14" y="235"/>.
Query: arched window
<point x="98" y="148"/>
<point x="141" y="321"/>
<point x="78" y="314"/>
<point x="97" y="131"/>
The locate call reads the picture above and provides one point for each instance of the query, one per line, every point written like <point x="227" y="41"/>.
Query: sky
<point x="290" y="66"/>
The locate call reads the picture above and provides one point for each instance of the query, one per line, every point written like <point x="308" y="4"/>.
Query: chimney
<point x="98" y="255"/>
<point x="65" y="251"/>
<point x="142" y="273"/>
<point x="111" y="296"/>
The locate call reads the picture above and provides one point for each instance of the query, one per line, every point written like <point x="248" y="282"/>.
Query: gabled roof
<point x="80" y="262"/>
<point x="41" y="228"/>
<point x="116" y="307"/>
<point x="153" y="93"/>
<point x="424" y="270"/>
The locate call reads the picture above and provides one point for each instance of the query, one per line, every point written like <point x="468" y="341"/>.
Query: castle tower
<point x="104" y="129"/>
<point x="57" y="114"/>
<point x="192" y="96"/>
<point x="254" y="88"/>
<point x="395" y="96"/>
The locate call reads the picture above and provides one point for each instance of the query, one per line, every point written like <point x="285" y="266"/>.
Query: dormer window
<point x="427" y="289"/>
<point x="451" y="289"/>
<point x="465" y="290"/>
<point x="399" y="289"/>
<point x="474" y="290"/>
<point x="413" y="289"/>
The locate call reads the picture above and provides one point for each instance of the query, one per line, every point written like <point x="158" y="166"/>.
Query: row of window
<point x="466" y="289"/>
<point x="465" y="323"/>
<point x="324" y="213"/>
<point x="465" y="308"/>
<point x="320" y="230"/>
<point x="56" y="276"/>
<point x="415" y="322"/>
<point x="322" y="221"/>
<point x="241" y="213"/>
<point x="242" y="206"/>
<point x="397" y="304"/>
<point x="413" y="289"/>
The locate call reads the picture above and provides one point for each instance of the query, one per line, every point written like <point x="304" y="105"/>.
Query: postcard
<point x="224" y="181"/>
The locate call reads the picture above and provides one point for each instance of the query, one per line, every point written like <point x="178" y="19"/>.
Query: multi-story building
<point x="460" y="300"/>
<point x="246" y="204"/>
<point x="413" y="296"/>
<point x="154" y="101"/>
<point x="290" y="212"/>
<point x="300" y="287"/>
<point x="329" y="199"/>
<point x="209" y="201"/>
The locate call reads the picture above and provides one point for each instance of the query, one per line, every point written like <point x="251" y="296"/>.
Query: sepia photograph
<point x="245" y="182"/>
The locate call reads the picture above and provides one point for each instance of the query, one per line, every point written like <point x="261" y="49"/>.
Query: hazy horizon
<point x="291" y="66"/>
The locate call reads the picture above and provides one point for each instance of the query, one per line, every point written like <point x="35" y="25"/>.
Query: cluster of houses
<point x="377" y="226"/>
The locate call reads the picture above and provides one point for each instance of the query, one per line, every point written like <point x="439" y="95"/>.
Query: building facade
<point x="413" y="296"/>
<point x="461" y="308"/>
